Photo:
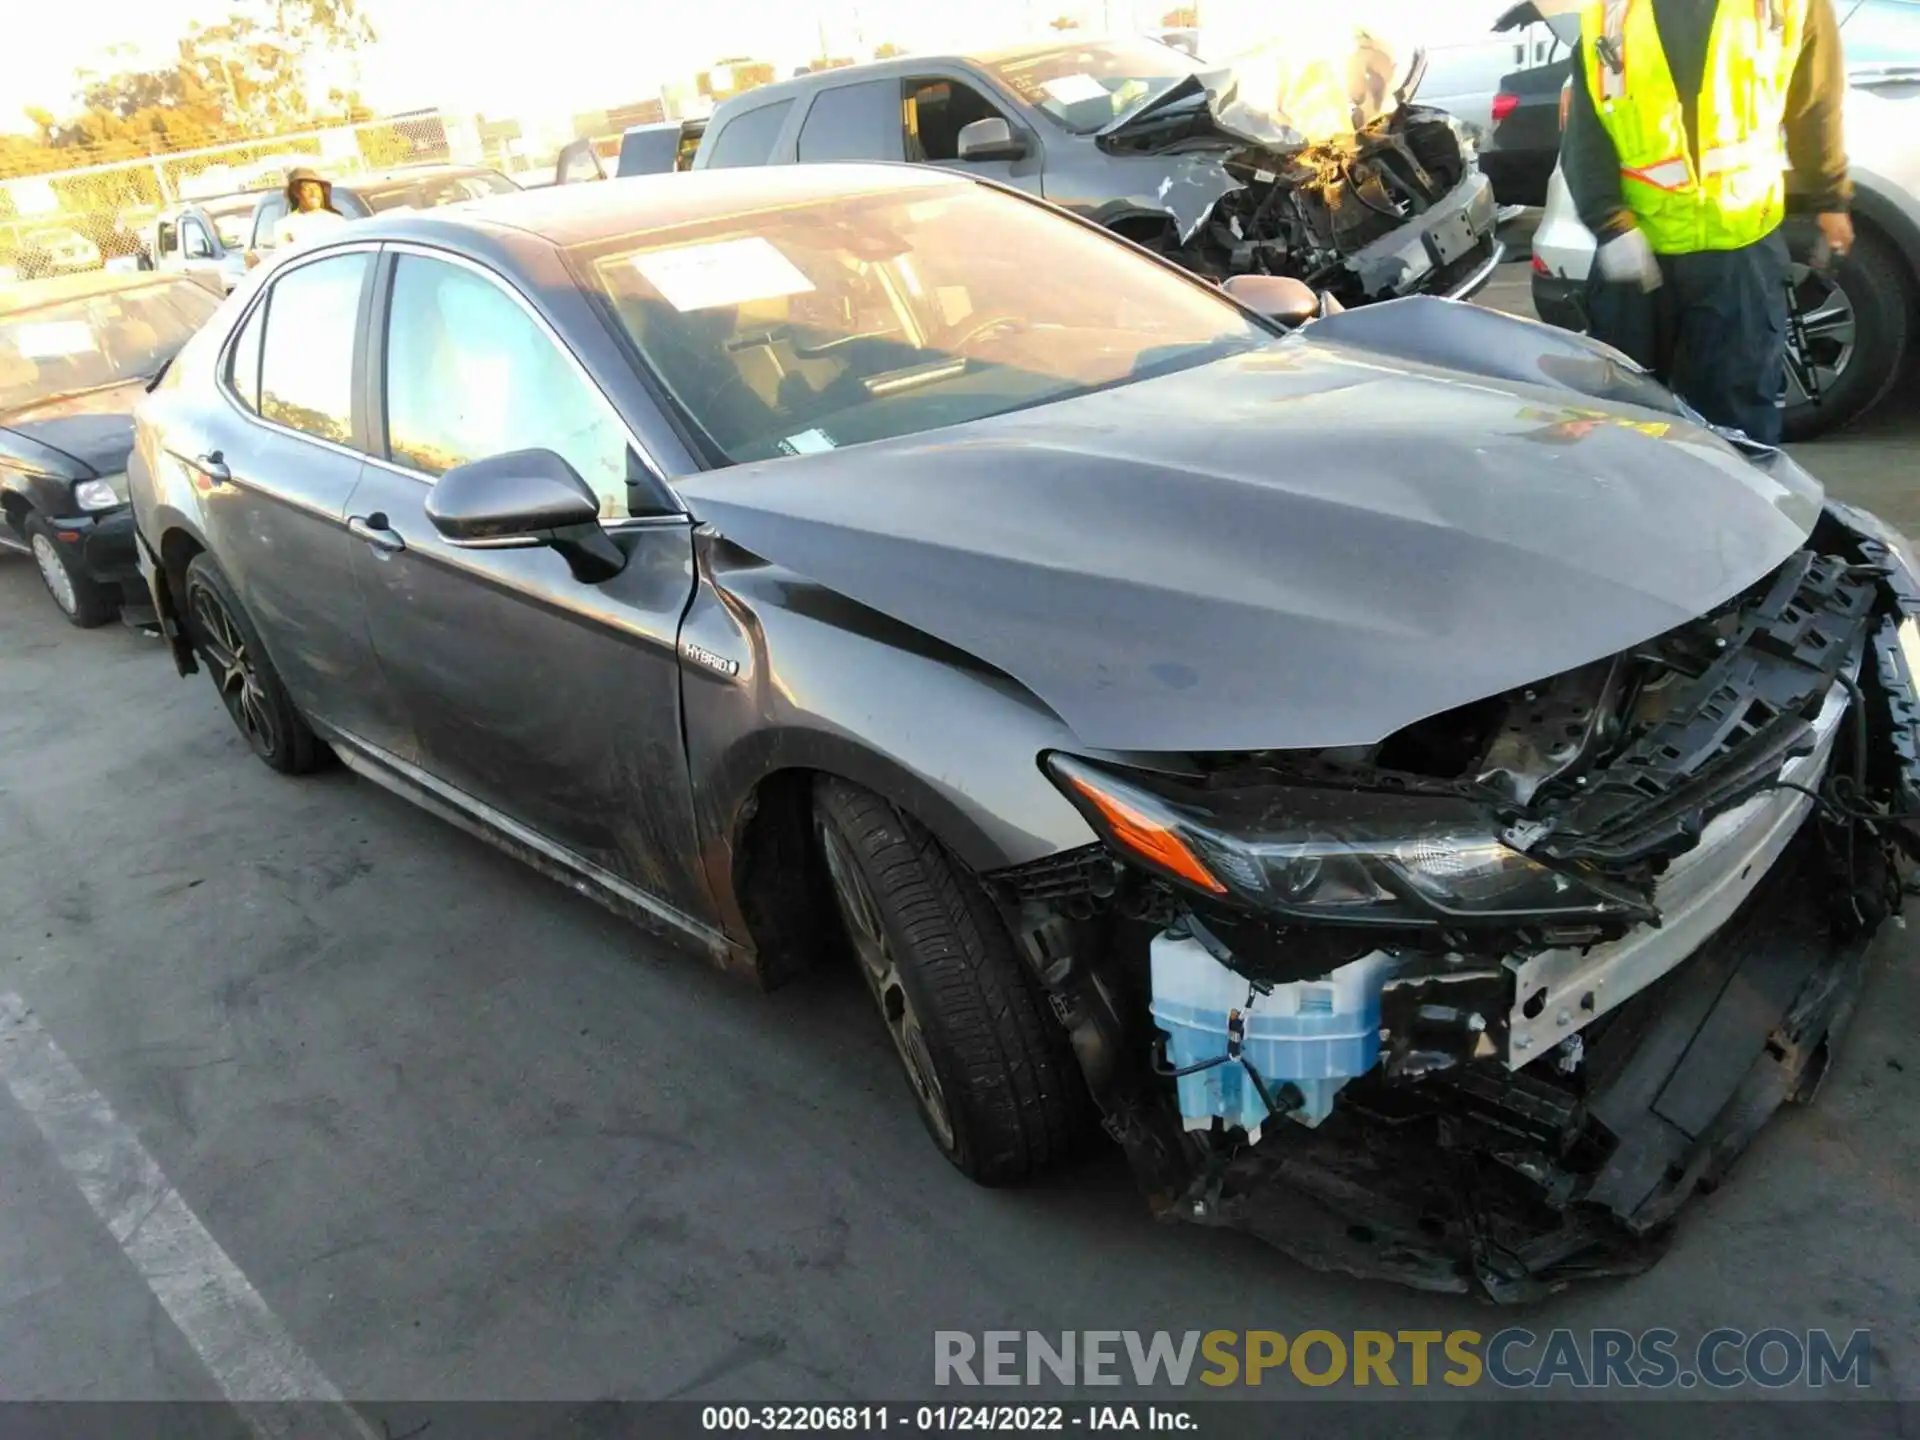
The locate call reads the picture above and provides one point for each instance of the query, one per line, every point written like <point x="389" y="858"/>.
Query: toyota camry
<point x="1419" y="789"/>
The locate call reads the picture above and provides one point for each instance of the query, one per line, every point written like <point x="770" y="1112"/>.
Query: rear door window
<point x="306" y="359"/>
<point x="243" y="360"/>
<point x="748" y="139"/>
<point x="647" y="152"/>
<point x="854" y="122"/>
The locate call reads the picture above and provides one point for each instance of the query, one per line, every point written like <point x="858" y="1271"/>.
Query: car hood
<point x="93" y="430"/>
<point x="1312" y="84"/>
<point x="1305" y="545"/>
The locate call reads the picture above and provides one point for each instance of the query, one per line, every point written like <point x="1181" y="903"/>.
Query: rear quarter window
<point x="748" y="139"/>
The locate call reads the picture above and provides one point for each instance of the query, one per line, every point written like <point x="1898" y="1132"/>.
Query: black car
<point x="1523" y="145"/>
<point x="75" y="356"/>
<point x="1424" y="789"/>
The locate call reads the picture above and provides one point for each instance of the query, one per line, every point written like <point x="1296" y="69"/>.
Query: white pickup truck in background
<point x="203" y="237"/>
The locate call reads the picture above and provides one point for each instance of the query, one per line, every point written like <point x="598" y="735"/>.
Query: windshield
<point x="790" y="331"/>
<point x="97" y="340"/>
<point x="1088" y="87"/>
<point x="231" y="222"/>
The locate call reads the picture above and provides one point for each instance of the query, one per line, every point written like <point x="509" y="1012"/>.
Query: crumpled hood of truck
<point x="1300" y="546"/>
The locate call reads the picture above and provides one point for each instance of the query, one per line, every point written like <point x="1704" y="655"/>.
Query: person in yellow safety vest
<point x="1684" y="118"/>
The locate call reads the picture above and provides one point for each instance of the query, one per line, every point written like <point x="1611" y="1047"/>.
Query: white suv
<point x="1852" y="326"/>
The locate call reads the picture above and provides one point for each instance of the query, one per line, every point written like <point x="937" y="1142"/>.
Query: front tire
<point x="83" y="600"/>
<point x="229" y="650"/>
<point x="990" y="1068"/>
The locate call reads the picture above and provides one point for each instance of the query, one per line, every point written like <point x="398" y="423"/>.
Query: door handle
<point x="213" y="465"/>
<point x="374" y="530"/>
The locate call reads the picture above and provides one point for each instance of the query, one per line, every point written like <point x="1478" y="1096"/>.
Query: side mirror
<point x="1278" y="297"/>
<point x="990" y="139"/>
<point x="524" y="499"/>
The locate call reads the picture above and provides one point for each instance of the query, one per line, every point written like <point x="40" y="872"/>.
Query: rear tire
<point x="989" y="1066"/>
<point x="1859" y="316"/>
<point x="83" y="600"/>
<point x="229" y="650"/>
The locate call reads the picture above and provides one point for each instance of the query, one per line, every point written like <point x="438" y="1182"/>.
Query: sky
<point x="554" y="58"/>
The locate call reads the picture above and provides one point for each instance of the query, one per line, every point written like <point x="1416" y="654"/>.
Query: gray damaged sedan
<point x="1423" y="790"/>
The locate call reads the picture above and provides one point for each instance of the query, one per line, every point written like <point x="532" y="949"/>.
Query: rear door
<point x="200" y="252"/>
<point x="866" y="121"/>
<point x="276" y="465"/>
<point x="551" y="702"/>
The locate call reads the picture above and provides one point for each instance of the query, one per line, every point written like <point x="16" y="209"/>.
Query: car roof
<point x="907" y="65"/>
<point x="24" y="295"/>
<point x="570" y="215"/>
<point x="400" y="174"/>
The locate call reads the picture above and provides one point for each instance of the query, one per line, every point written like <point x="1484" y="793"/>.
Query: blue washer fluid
<point x="1314" y="1034"/>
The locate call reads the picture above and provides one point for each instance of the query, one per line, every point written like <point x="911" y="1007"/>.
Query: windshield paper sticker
<point x="727" y="272"/>
<point x="50" y="339"/>
<point x="1073" y="89"/>
<point x="807" y="442"/>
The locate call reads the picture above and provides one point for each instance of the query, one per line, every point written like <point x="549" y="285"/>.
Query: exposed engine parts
<point x="1493" y="1055"/>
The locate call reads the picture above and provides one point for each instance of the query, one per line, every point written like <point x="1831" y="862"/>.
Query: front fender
<point x="1427" y="330"/>
<point x="783" y="675"/>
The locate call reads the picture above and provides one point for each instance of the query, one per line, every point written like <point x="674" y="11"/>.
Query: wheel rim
<point x="878" y="967"/>
<point x="54" y="572"/>
<point x="229" y="660"/>
<point x="1830" y="328"/>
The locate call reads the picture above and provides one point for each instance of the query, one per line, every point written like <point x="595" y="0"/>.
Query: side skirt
<point x="411" y="783"/>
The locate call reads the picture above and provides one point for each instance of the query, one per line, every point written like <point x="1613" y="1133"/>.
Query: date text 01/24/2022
<point x="816" y="1419"/>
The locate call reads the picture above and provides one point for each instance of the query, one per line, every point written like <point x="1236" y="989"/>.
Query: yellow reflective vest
<point x="1736" y="194"/>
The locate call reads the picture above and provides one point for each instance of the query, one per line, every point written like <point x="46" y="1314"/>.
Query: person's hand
<point x="1629" y="259"/>
<point x="253" y="258"/>
<point x="1836" y="236"/>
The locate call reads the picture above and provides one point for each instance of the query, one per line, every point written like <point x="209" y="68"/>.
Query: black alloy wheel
<point x="229" y="650"/>
<point x="989" y="1066"/>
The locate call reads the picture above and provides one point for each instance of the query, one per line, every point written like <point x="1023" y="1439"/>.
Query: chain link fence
<point x="102" y="215"/>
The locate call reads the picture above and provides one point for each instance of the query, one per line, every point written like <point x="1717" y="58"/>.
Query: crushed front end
<point x="1479" y="1007"/>
<point x="1359" y="194"/>
<point x="1400" y="208"/>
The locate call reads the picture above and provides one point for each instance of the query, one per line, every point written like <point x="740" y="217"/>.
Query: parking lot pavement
<point x="464" y="1135"/>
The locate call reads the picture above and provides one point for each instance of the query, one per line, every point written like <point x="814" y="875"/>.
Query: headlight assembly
<point x="1334" y="856"/>
<point x="106" y="494"/>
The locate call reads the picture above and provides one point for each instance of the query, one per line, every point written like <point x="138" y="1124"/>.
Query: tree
<point x="1063" y="22"/>
<point x="887" y="50"/>
<point x="250" y="75"/>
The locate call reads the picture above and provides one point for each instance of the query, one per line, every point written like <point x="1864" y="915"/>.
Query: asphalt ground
<point x="308" y="1093"/>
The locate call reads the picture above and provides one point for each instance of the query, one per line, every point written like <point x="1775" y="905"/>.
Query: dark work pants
<point x="1715" y="332"/>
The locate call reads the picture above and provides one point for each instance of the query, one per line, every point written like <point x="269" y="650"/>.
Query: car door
<point x="939" y="106"/>
<point x="550" y="702"/>
<point x="200" y="252"/>
<point x="276" y="464"/>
